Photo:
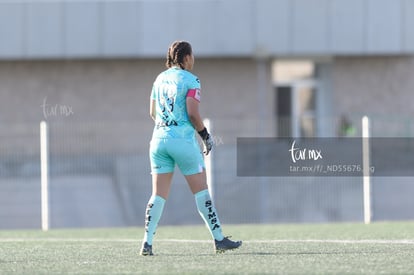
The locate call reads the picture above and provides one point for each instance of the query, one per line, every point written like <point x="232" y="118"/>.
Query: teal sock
<point x="209" y="214"/>
<point x="152" y="217"/>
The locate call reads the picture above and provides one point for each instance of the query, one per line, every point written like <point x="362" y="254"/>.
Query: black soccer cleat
<point x="226" y="244"/>
<point x="146" y="250"/>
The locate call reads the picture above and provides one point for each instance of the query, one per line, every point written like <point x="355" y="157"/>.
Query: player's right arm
<point x="153" y="112"/>
<point x="153" y="102"/>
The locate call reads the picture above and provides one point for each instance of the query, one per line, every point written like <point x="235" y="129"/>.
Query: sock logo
<point x="147" y="216"/>
<point x="212" y="215"/>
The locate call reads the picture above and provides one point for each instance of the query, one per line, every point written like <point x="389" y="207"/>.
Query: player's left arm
<point x="193" y="102"/>
<point x="194" y="114"/>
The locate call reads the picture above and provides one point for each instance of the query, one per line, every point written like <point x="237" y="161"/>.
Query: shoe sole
<point x="147" y="253"/>
<point x="222" y="250"/>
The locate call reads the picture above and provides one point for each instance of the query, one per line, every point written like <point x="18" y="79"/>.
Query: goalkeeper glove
<point x="207" y="140"/>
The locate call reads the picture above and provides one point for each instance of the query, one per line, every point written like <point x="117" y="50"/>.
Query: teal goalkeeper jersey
<point x="170" y="91"/>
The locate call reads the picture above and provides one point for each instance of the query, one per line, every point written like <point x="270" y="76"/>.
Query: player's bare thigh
<point x="197" y="182"/>
<point x="161" y="184"/>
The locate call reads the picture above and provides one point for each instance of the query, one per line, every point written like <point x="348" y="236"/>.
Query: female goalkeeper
<point x="175" y="99"/>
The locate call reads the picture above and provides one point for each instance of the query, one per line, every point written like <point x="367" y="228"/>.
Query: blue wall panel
<point x="348" y="21"/>
<point x="12" y="30"/>
<point x="217" y="28"/>
<point x="408" y="29"/>
<point x="310" y="26"/>
<point x="83" y="29"/>
<point x="44" y="29"/>
<point x="272" y="31"/>
<point x="384" y="26"/>
<point x="121" y="24"/>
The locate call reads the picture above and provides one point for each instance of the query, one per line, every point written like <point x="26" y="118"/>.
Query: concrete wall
<point x="113" y="90"/>
<point x="99" y="141"/>
<point x="376" y="85"/>
<point x="99" y="132"/>
<point x="116" y="93"/>
<point x="380" y="87"/>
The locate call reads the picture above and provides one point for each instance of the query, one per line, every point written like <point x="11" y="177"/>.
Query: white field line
<point x="92" y="240"/>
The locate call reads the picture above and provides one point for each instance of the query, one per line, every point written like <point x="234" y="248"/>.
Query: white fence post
<point x="44" y="175"/>
<point x="208" y="162"/>
<point x="366" y="170"/>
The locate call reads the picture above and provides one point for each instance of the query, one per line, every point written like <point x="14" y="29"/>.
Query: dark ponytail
<point x="176" y="53"/>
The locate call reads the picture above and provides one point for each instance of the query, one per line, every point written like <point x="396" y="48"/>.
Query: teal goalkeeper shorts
<point x="165" y="153"/>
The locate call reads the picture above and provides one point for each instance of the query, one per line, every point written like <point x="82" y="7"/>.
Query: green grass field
<point x="379" y="248"/>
